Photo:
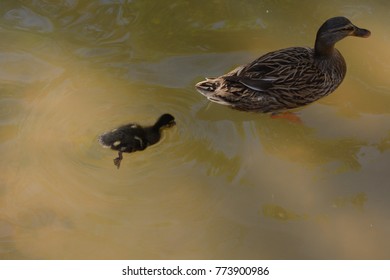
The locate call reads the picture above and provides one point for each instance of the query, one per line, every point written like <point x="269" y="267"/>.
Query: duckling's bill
<point x="171" y="123"/>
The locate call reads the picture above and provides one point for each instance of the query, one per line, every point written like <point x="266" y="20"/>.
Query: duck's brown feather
<point x="280" y="80"/>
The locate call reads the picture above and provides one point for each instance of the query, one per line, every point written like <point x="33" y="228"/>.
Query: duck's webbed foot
<point x="294" y="118"/>
<point x="117" y="161"/>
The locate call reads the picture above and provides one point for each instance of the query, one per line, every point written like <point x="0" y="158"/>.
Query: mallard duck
<point x="133" y="137"/>
<point x="286" y="78"/>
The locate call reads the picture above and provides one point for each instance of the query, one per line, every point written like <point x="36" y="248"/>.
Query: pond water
<point x="222" y="184"/>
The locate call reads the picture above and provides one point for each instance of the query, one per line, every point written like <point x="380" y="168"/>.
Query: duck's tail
<point x="107" y="139"/>
<point x="211" y="88"/>
<point x="208" y="86"/>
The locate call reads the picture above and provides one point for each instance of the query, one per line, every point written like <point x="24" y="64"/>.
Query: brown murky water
<point x="222" y="184"/>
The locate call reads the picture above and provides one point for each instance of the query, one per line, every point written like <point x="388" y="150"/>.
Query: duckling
<point x="286" y="78"/>
<point x="133" y="137"/>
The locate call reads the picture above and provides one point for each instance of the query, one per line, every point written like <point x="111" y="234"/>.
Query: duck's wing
<point x="138" y="142"/>
<point x="107" y="139"/>
<point x="116" y="137"/>
<point x="252" y="83"/>
<point x="288" y="67"/>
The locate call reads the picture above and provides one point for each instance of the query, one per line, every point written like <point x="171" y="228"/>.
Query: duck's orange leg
<point x="117" y="161"/>
<point x="287" y="115"/>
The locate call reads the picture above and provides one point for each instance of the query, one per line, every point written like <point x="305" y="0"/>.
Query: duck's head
<point x="165" y="120"/>
<point x="332" y="31"/>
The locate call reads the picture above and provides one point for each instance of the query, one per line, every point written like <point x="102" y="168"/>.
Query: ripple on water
<point x="85" y="67"/>
<point x="12" y="111"/>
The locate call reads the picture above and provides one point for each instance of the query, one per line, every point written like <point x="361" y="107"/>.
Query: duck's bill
<point x="360" y="32"/>
<point x="171" y="123"/>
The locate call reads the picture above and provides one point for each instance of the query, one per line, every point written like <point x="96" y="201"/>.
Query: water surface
<point x="222" y="184"/>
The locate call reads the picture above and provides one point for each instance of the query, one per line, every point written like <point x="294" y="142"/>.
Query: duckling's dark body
<point x="286" y="78"/>
<point x="133" y="137"/>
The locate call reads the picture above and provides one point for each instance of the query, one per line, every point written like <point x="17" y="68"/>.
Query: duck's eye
<point x="344" y="29"/>
<point x="347" y="29"/>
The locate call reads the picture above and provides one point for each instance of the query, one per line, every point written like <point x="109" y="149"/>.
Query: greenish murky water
<point x="222" y="184"/>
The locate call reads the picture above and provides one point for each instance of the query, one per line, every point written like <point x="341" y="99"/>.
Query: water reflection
<point x="292" y="141"/>
<point x="274" y="211"/>
<point x="222" y="184"/>
<point x="279" y="213"/>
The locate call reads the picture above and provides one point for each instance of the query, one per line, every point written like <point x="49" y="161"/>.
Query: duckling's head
<point x="332" y="31"/>
<point x="164" y="121"/>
